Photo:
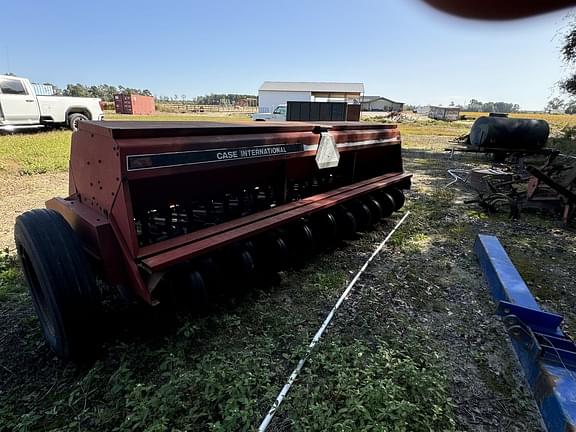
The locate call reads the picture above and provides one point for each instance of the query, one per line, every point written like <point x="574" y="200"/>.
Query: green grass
<point x="350" y="386"/>
<point x="11" y="282"/>
<point x="35" y="153"/>
<point x="222" y="372"/>
<point x="41" y="152"/>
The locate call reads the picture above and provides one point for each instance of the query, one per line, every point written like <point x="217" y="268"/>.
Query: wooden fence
<point x="185" y="107"/>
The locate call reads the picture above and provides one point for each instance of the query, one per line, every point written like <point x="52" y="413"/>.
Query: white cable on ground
<point x="456" y="177"/>
<point x="266" y="422"/>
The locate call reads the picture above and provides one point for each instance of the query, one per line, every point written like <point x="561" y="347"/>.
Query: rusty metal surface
<point x="530" y="183"/>
<point x="134" y="104"/>
<point x="561" y="190"/>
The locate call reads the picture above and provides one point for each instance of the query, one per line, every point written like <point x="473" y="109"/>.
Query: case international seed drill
<point x="154" y="204"/>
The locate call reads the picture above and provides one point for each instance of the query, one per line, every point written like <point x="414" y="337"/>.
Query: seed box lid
<point x="155" y="129"/>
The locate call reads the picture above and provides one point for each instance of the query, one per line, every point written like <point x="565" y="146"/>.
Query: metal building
<point x="379" y="103"/>
<point x="274" y="93"/>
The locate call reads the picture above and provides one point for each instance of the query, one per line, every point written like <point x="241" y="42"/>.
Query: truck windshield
<point x="280" y="110"/>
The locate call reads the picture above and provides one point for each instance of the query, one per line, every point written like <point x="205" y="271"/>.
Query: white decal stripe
<point x="356" y="143"/>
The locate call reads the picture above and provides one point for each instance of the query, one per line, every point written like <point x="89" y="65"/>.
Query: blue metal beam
<point x="546" y="354"/>
<point x="503" y="278"/>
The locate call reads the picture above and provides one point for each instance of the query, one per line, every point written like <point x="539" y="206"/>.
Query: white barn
<point x="274" y="93"/>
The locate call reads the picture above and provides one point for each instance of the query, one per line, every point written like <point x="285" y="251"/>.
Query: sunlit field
<point x="48" y="151"/>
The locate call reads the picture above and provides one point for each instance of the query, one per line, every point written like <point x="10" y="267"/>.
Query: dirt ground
<point x="427" y="282"/>
<point x="20" y="193"/>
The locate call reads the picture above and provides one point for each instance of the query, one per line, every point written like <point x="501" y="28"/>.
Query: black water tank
<point x="509" y="133"/>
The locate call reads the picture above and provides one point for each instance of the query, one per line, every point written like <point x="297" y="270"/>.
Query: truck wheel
<point x="61" y="283"/>
<point x="73" y="120"/>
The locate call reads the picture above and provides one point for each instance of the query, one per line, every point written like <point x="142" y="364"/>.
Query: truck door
<point x="279" y="113"/>
<point x="18" y="102"/>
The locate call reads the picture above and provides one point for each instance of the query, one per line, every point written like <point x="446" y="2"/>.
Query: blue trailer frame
<point x="546" y="354"/>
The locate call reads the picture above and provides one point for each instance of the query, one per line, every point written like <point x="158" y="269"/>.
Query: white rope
<point x="456" y="177"/>
<point x="266" y="421"/>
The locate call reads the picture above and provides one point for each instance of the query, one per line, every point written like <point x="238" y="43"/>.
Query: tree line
<point x="210" y="99"/>
<point x="106" y="92"/>
<point x="558" y="104"/>
<point x="502" y="107"/>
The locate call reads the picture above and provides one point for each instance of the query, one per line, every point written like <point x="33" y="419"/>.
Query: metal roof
<point x="375" y="98"/>
<point x="324" y="87"/>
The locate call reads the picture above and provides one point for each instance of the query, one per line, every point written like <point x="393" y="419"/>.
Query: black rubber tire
<point x="325" y="227"/>
<point x="347" y="225"/>
<point x="73" y="120"/>
<point x="61" y="283"/>
<point x="399" y="198"/>
<point x="237" y="261"/>
<point x="362" y="214"/>
<point x="196" y="289"/>
<point x="301" y="242"/>
<point x="245" y="262"/>
<point x="375" y="208"/>
<point x="272" y="251"/>
<point x="387" y="203"/>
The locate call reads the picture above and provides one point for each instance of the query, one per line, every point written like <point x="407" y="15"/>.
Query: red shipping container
<point x="134" y="104"/>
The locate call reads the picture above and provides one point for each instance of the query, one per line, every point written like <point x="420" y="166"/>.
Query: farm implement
<point x="531" y="176"/>
<point x="159" y="207"/>
<point x="531" y="184"/>
<point x="547" y="355"/>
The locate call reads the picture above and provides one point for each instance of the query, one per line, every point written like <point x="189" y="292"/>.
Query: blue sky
<point x="400" y="49"/>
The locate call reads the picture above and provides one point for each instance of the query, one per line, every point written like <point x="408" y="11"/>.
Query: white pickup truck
<point x="21" y="108"/>
<point x="279" y="114"/>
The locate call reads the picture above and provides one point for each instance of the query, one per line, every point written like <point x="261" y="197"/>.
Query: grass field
<point x="409" y="351"/>
<point x="35" y="153"/>
<point x="415" y="348"/>
<point x="425" y="126"/>
<point x="42" y="152"/>
<point x="556" y="121"/>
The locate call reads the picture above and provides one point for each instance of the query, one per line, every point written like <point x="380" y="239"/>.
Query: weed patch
<point x="356" y="386"/>
<point x="11" y="281"/>
<point x="565" y="141"/>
